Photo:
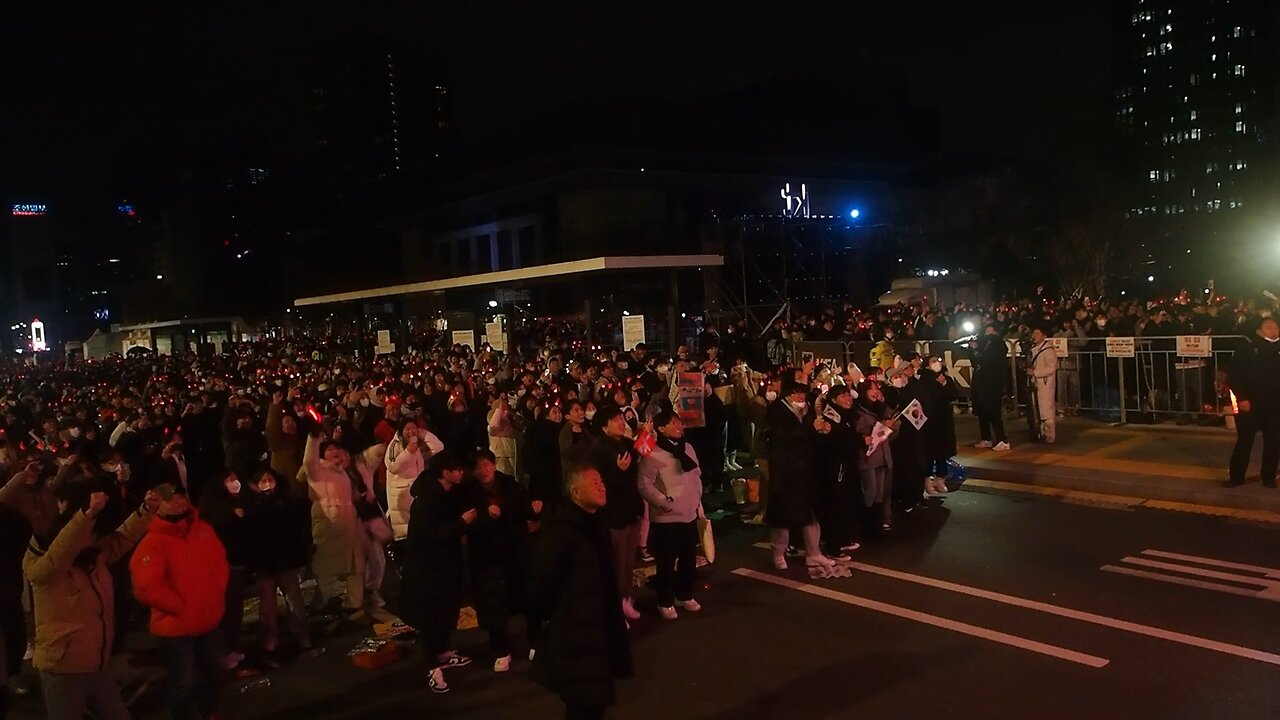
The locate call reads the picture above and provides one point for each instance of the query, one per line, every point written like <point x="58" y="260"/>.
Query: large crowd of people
<point x="527" y="484"/>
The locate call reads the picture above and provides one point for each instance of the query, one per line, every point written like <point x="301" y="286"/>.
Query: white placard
<point x="493" y="334"/>
<point x="1059" y="346"/>
<point x="1195" y="346"/>
<point x="464" y="337"/>
<point x="384" y="338"/>
<point x="1120" y="347"/>
<point x="632" y="331"/>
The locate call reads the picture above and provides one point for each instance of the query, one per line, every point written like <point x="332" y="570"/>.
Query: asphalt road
<point x="994" y="607"/>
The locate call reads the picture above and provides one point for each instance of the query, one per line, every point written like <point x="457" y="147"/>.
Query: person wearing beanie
<point x="180" y="572"/>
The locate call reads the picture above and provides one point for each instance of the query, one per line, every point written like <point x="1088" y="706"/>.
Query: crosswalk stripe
<point x="927" y="619"/>
<point x="1269" y="572"/>
<point x="1114" y="623"/>
<point x="1202" y="572"/>
<point x="1175" y="580"/>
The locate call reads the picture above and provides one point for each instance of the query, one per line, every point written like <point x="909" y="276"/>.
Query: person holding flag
<point x="874" y="422"/>
<point x="839" y="450"/>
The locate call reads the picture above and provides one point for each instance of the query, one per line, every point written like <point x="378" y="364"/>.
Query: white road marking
<point x="1268" y="572"/>
<point x="1265" y="580"/>
<point x="927" y="619"/>
<point x="1189" y="582"/>
<point x="1114" y="623"/>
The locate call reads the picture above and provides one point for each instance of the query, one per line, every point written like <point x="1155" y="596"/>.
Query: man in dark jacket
<point x="1255" y="380"/>
<point x="586" y="645"/>
<point x="989" y="375"/>
<point x="498" y="548"/>
<point x="433" y="562"/>
<point x="615" y="459"/>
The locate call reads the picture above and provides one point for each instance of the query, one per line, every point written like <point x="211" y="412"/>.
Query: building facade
<point x="1195" y="117"/>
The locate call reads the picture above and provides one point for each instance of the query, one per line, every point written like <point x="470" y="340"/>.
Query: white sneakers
<point x="502" y="664"/>
<point x="1002" y="447"/>
<point x="982" y="444"/>
<point x="435" y="681"/>
<point x="629" y="609"/>
<point x="690" y="605"/>
<point x="998" y="447"/>
<point x="667" y="613"/>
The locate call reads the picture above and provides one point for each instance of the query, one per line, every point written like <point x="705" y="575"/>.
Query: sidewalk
<point x="1156" y="463"/>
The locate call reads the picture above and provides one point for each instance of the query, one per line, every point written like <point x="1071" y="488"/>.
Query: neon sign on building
<point x="29" y="209"/>
<point x="797" y="205"/>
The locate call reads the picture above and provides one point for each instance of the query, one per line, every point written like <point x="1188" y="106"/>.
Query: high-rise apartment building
<point x="380" y="110"/>
<point x="1195" y="115"/>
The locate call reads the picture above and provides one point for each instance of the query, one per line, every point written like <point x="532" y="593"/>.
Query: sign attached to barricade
<point x="1195" y="346"/>
<point x="1120" y="347"/>
<point x="632" y="331"/>
<point x="1059" y="346"/>
<point x="495" y="337"/>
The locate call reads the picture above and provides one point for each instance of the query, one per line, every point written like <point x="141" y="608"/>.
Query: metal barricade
<point x="1156" y="384"/>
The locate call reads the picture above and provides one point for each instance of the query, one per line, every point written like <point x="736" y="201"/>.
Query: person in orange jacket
<point x="180" y="571"/>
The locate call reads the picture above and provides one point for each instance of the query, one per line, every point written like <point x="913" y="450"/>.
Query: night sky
<point x="101" y="104"/>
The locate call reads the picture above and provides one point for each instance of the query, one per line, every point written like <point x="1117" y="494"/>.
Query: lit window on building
<point x="1166" y="29"/>
<point x="1194" y="134"/>
<point x="1195" y="79"/>
<point x="1166" y="47"/>
<point x="1240" y="70"/>
<point x="1194" y="114"/>
<point x="1239" y="108"/>
<point x="1236" y="32"/>
<point x="1240" y="126"/>
<point x="1154" y="175"/>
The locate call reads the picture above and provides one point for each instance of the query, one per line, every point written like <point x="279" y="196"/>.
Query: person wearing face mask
<point x="793" y="428"/>
<point x="1254" y="376"/>
<point x="757" y="414"/>
<point x="407" y="456"/>
<point x="910" y="455"/>
<point x="180" y="571"/>
<point x="839" y="449"/>
<point x="73" y="594"/>
<point x="433" y="579"/>
<point x="991" y="369"/>
<point x="670" y="480"/>
<point x="278" y="530"/>
<point x="1042" y="368"/>
<point x="225" y="508"/>
<point x="875" y="470"/>
<point x="939" y="392"/>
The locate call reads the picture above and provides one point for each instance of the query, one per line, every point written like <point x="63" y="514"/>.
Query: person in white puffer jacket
<point x="407" y="456"/>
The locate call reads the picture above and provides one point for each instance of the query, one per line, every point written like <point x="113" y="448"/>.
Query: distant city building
<point x="380" y="110"/>
<point x="1194" y="110"/>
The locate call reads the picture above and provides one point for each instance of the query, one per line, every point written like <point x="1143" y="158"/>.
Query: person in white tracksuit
<point x="1044" y="374"/>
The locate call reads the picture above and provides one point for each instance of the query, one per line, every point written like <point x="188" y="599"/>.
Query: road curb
<point x="1121" y="501"/>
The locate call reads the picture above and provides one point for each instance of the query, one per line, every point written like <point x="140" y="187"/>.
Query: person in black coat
<point x="278" y="530"/>
<point x="614" y="456"/>
<point x="991" y="369"/>
<point x="543" y="459"/>
<point x="585" y="645"/>
<point x="793" y="429"/>
<point x="1255" y="380"/>
<point x="498" y="549"/>
<point x="839" y="489"/>
<point x="225" y="507"/>
<point x="908" y="444"/>
<point x="939" y="392"/>
<point x="438" y="521"/>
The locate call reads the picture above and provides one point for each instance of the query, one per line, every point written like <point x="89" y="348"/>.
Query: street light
<point x="854" y="213"/>
<point x="493" y="303"/>
<point x="1151" y="278"/>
